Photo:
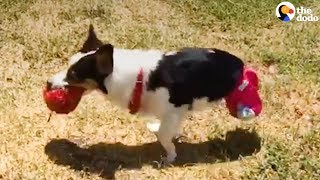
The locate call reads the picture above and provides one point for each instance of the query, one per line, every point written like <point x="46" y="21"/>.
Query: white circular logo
<point x="285" y="11"/>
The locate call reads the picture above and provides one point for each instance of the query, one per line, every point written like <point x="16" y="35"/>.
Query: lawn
<point x="99" y="140"/>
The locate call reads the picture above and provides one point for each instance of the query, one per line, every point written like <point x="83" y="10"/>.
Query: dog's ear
<point x="92" y="43"/>
<point x="104" y="57"/>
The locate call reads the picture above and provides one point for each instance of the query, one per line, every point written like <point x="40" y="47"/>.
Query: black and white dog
<point x="164" y="85"/>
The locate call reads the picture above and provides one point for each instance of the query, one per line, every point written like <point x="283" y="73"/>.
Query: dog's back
<point x="194" y="73"/>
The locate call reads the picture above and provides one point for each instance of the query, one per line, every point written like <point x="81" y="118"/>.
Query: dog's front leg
<point x="169" y="128"/>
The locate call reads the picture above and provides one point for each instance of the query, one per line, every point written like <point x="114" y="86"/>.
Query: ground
<point x="98" y="140"/>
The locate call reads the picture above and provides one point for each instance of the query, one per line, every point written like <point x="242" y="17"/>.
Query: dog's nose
<point x="49" y="85"/>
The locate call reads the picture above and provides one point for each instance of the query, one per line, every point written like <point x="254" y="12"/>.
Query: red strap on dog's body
<point x="135" y="102"/>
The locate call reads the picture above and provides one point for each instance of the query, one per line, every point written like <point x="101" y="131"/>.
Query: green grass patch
<point x="285" y="160"/>
<point x="253" y="27"/>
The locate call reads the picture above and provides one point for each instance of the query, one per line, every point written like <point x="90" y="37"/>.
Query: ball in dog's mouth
<point x="63" y="100"/>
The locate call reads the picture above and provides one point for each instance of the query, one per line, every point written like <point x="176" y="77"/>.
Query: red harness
<point x="135" y="102"/>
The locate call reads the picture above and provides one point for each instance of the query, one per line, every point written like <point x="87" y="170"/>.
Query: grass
<point x="99" y="141"/>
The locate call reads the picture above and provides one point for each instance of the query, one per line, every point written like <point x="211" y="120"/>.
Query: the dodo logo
<point x="285" y="11"/>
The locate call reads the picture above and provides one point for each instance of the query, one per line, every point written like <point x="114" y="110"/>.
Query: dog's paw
<point x="171" y="157"/>
<point x="163" y="163"/>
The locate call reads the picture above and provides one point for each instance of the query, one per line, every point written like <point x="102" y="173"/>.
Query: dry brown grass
<point x="37" y="36"/>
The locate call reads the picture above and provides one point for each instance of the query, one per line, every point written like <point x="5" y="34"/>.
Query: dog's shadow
<point x="105" y="159"/>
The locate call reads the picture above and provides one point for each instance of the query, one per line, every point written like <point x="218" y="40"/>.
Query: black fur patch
<point x="86" y="68"/>
<point x="195" y="73"/>
<point x="96" y="67"/>
<point x="92" y="43"/>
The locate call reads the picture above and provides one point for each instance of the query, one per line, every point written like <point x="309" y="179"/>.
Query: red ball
<point x="63" y="101"/>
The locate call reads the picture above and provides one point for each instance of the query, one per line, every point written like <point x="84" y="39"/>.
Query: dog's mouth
<point x="48" y="86"/>
<point x="62" y="100"/>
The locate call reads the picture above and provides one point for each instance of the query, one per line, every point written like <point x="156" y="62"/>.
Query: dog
<point x="164" y="85"/>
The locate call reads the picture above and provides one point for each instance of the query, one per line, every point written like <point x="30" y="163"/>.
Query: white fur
<point x="120" y="85"/>
<point x="76" y="57"/>
<point x="57" y="81"/>
<point x="127" y="64"/>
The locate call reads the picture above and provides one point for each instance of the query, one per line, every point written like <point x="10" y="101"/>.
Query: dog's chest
<point x="127" y="65"/>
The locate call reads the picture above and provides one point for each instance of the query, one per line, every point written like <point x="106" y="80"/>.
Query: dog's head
<point x="88" y="68"/>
